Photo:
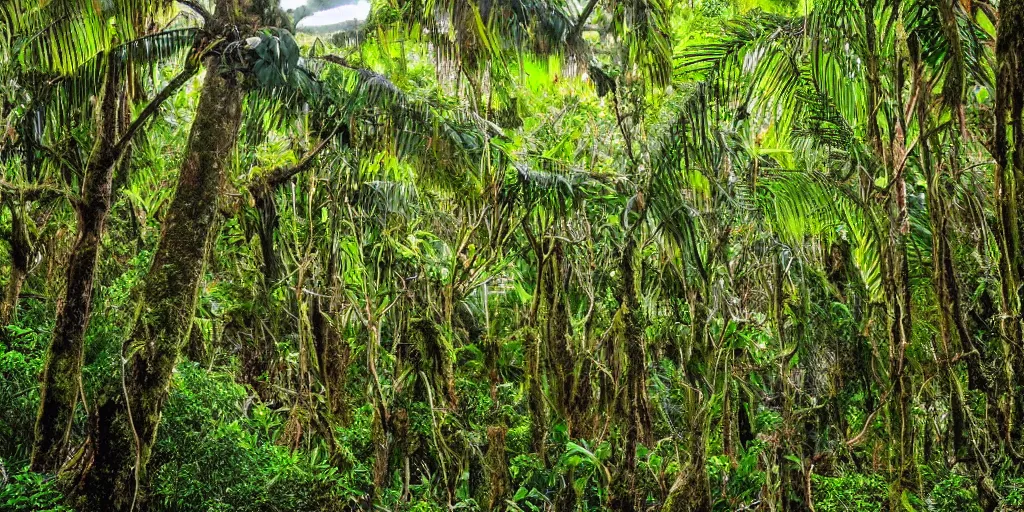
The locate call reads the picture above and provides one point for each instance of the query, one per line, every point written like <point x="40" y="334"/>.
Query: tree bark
<point x="946" y="286"/>
<point x="691" y="491"/>
<point x="1009" y="178"/>
<point x="635" y="406"/>
<point x="895" y="267"/>
<point x="20" y="255"/>
<point x="126" y="423"/>
<point x="60" y="387"/>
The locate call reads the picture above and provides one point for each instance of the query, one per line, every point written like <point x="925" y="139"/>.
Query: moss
<point x="126" y="428"/>
<point x="59" y="392"/>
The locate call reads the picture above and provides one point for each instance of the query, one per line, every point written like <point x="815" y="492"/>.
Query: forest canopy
<point x="515" y="255"/>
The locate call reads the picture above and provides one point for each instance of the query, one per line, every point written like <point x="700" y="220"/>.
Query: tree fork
<point x="126" y="423"/>
<point x="60" y="387"/>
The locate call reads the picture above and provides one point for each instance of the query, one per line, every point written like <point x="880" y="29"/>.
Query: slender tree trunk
<point x="691" y="491"/>
<point x="60" y="388"/>
<point x="333" y="357"/>
<point x="635" y="407"/>
<point x="20" y="255"/>
<point x="1009" y="187"/>
<point x="896" y="271"/>
<point x="560" y="360"/>
<point x="11" y="294"/>
<point x="901" y="425"/>
<point x="126" y="425"/>
<point x="532" y="345"/>
<point x="947" y="288"/>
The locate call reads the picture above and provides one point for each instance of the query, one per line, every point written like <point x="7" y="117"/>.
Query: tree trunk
<point x="1009" y="187"/>
<point x="60" y="387"/>
<point x="126" y="425"/>
<point x="691" y="491"/>
<point x="533" y="378"/>
<point x="20" y="255"/>
<point x="560" y="360"/>
<point x="496" y="468"/>
<point x="901" y="424"/>
<point x="895" y="267"/>
<point x="635" y="408"/>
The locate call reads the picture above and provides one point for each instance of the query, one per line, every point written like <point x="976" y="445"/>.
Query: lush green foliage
<point x="529" y="254"/>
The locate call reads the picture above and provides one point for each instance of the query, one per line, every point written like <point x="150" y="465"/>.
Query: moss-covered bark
<point x="534" y="380"/>
<point x="1009" y="192"/>
<point x="60" y="387"/>
<point x="634" y="407"/>
<point x="125" y="427"/>
<point x="20" y="253"/>
<point x="691" y="490"/>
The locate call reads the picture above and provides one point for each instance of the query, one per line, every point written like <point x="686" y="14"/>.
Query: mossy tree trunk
<point x="125" y="427"/>
<point x="944" y="279"/>
<point x="60" y="387"/>
<point x="895" y="280"/>
<point x="691" y="491"/>
<point x="534" y="379"/>
<point x="634" y="408"/>
<point x="895" y="265"/>
<point x="1009" y="189"/>
<point x="21" y="249"/>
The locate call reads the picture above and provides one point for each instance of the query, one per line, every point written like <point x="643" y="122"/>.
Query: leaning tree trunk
<point x="1009" y="189"/>
<point x="60" y="386"/>
<point x="126" y="424"/>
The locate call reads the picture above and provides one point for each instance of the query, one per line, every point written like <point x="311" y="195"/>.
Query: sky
<point x="330" y="16"/>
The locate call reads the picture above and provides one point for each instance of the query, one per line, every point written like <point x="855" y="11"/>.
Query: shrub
<point x="956" y="493"/>
<point x="27" y="491"/>
<point x="852" y="492"/>
<point x="212" y="454"/>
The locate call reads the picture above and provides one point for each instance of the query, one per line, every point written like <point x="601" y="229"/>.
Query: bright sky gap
<point x="358" y="11"/>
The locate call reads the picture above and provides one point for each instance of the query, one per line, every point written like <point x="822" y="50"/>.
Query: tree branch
<point x="154" y="105"/>
<point x="198" y="9"/>
<point x="587" y="11"/>
<point x="280" y="175"/>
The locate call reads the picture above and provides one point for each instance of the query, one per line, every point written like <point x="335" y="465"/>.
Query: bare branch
<point x="280" y="175"/>
<point x="190" y="70"/>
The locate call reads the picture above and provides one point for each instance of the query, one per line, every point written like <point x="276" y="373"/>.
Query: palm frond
<point x="647" y="37"/>
<point x="59" y="36"/>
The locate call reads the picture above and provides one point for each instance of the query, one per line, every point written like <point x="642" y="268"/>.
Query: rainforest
<point x="512" y="255"/>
